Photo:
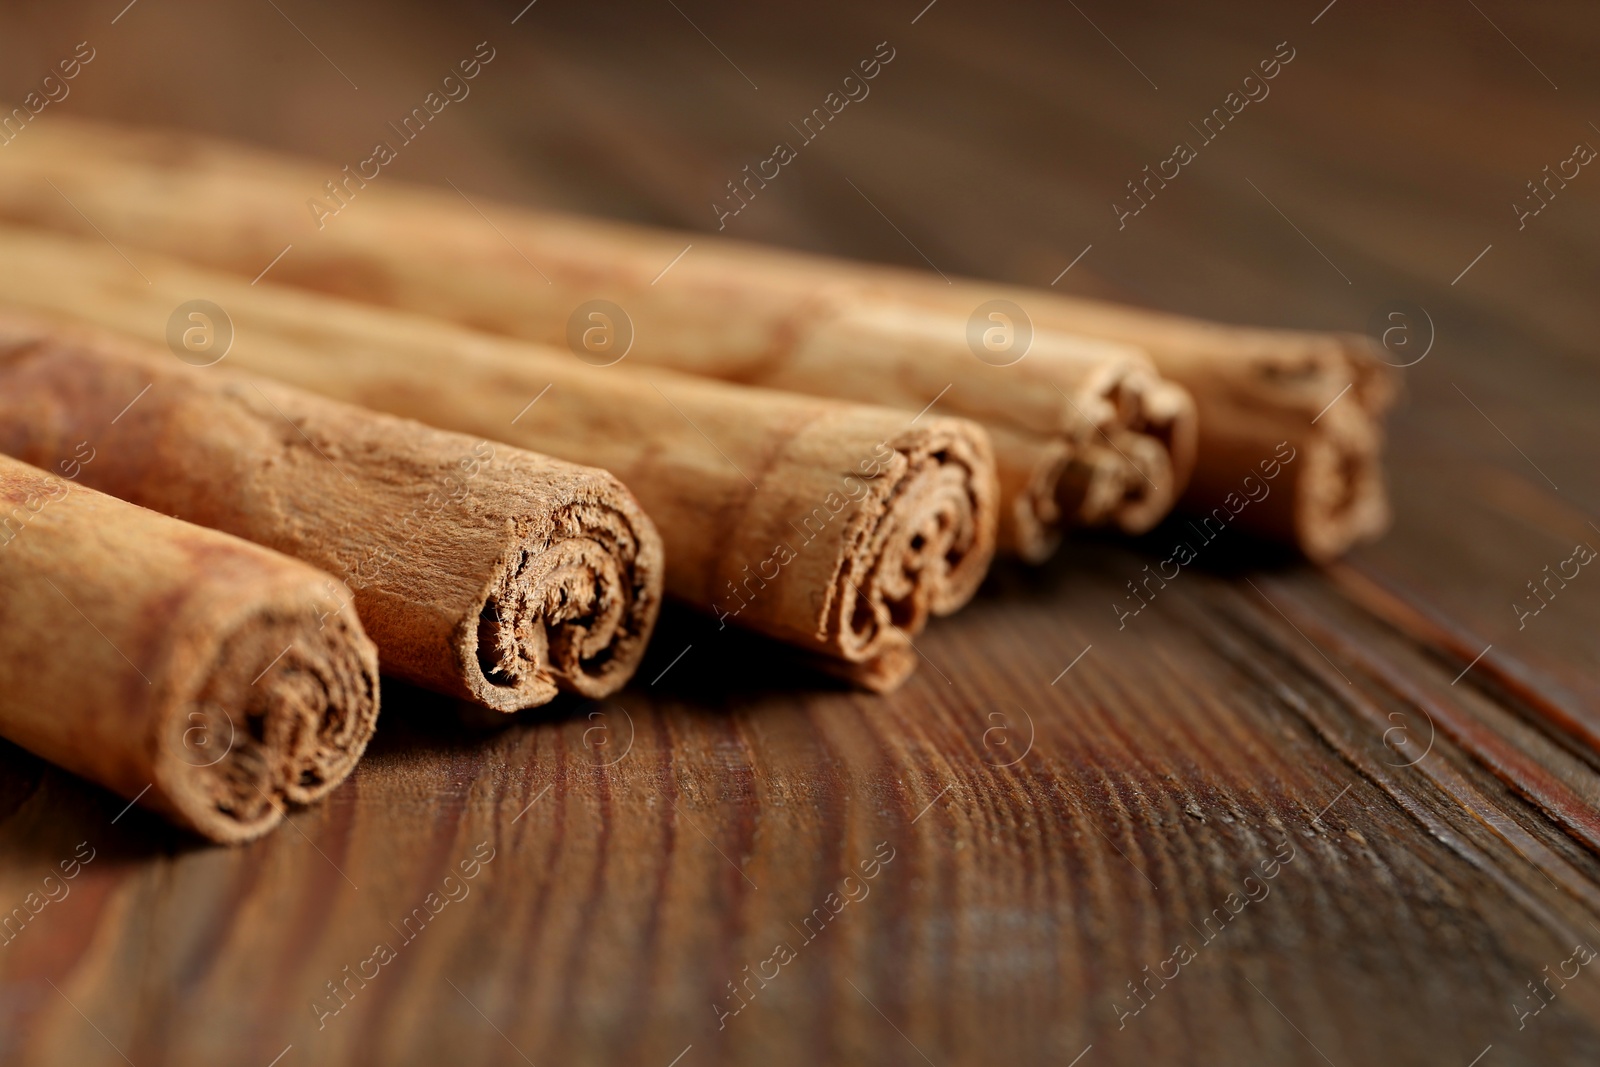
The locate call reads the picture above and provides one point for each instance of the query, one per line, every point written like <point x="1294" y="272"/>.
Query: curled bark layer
<point x="204" y="676"/>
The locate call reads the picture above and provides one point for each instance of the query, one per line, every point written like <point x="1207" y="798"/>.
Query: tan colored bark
<point x="207" y="677"/>
<point x="722" y="311"/>
<point x="837" y="527"/>
<point x="481" y="571"/>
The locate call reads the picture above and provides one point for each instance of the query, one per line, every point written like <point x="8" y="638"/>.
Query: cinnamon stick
<point x="1110" y="442"/>
<point x="839" y="528"/>
<point x="481" y="571"/>
<point x="192" y="671"/>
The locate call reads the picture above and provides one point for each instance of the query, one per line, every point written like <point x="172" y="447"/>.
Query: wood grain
<point x="1247" y="706"/>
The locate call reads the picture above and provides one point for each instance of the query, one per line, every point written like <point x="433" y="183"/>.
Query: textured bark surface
<point x="480" y="571"/>
<point x="201" y="676"/>
<point x="836" y="527"/>
<point x="741" y="314"/>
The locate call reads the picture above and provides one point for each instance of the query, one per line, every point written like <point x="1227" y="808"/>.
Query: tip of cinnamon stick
<point x="924" y="548"/>
<point x="285" y="706"/>
<point x="572" y="607"/>
<point x="1134" y="460"/>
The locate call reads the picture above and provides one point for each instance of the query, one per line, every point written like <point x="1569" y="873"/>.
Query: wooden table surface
<point x="1285" y="816"/>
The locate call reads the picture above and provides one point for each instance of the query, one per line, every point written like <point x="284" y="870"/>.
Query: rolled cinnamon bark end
<point x="864" y="525"/>
<point x="1137" y="455"/>
<point x="480" y="570"/>
<point x="1340" y="499"/>
<point x="1301" y="416"/>
<point x="1034" y="481"/>
<point x="572" y="603"/>
<point x="205" y="677"/>
<point x="290" y="695"/>
<point x="921" y="544"/>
